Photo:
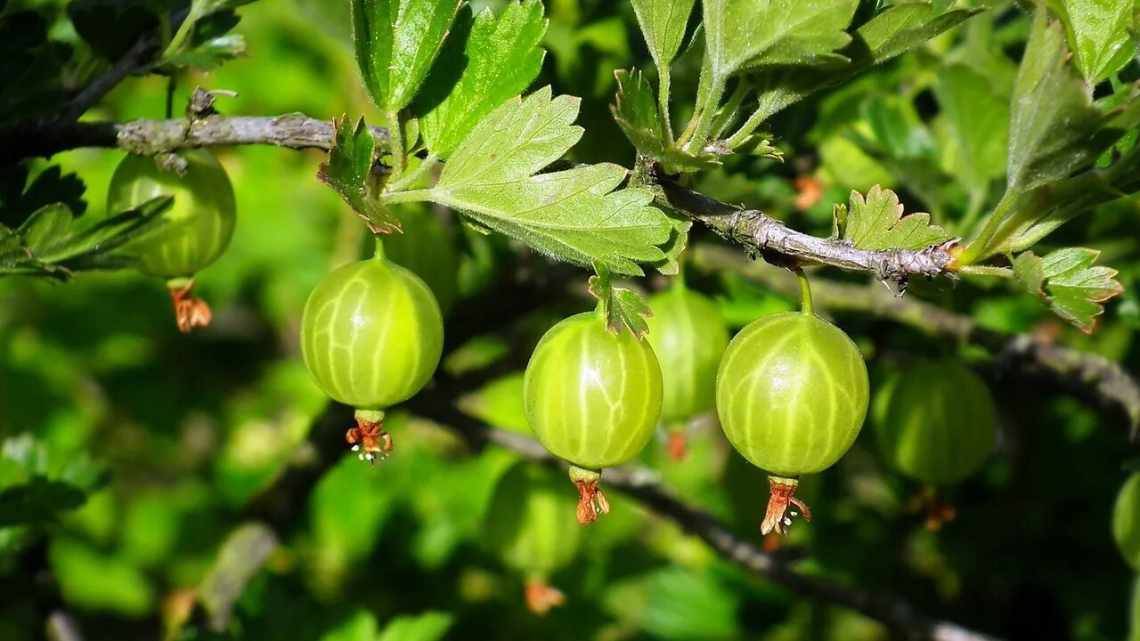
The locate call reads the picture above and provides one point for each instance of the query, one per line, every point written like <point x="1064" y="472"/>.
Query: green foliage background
<point x="159" y="442"/>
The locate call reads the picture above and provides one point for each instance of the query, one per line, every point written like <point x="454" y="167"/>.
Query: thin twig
<point x="150" y="137"/>
<point x="132" y="61"/>
<point x="762" y="234"/>
<point x="1089" y="375"/>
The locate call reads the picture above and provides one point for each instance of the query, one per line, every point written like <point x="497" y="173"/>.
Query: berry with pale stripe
<point x="936" y="422"/>
<point x="688" y="336"/>
<point x="197" y="227"/>
<point x="1126" y="521"/>
<point x="593" y="398"/>
<point x="529" y="528"/>
<point x="791" y="394"/>
<point x="371" y="336"/>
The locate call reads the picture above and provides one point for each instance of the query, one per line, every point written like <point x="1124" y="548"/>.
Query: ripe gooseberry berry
<point x="936" y="422"/>
<point x="1126" y="521"/>
<point x="592" y="397"/>
<point x="371" y="336"/>
<point x="529" y="528"/>
<point x="197" y="229"/>
<point x="791" y="394"/>
<point x="688" y="336"/>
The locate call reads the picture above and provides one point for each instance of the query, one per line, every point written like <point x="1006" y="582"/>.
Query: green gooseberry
<point x="791" y="394"/>
<point x="1126" y="521"/>
<point x="593" y="398"/>
<point x="529" y="528"/>
<point x="688" y="336"/>
<point x="371" y="336"/>
<point x="936" y="422"/>
<point x="197" y="227"/>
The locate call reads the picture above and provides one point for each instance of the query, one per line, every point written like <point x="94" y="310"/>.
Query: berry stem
<point x="805" y="290"/>
<point x="378" y="252"/>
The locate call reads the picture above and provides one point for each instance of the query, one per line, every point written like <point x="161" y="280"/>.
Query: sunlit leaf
<point x="877" y="222"/>
<point x="396" y="43"/>
<point x="577" y="215"/>
<point x="494" y="59"/>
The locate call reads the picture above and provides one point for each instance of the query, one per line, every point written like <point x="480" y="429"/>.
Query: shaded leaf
<point x="635" y="111"/>
<point x="621" y="306"/>
<point x="1098" y="33"/>
<point x="977" y="120"/>
<point x="574" y="215"/>
<point x="663" y="25"/>
<point x="1069" y="283"/>
<point x="1053" y="123"/>
<point x="19" y="198"/>
<point x="111" y="27"/>
<point x="877" y="222"/>
<point x="495" y="60"/>
<point x="45" y="228"/>
<point x="38" y="501"/>
<point x="396" y="43"/>
<point x="351" y="172"/>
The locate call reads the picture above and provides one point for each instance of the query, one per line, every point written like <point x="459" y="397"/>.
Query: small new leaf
<point x="877" y="223"/>
<point x="1069" y="283"/>
<point x="210" y="54"/>
<point x="578" y="215"/>
<point x="351" y="171"/>
<point x="396" y="43"/>
<point x="635" y="110"/>
<point x="622" y="307"/>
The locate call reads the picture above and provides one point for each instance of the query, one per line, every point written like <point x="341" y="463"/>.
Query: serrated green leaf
<point x="622" y="307"/>
<point x="1053" y="121"/>
<point x="757" y="33"/>
<point x="574" y="215"/>
<point x="663" y="25"/>
<point x="396" y="42"/>
<point x="487" y="61"/>
<point x="45" y="228"/>
<point x="896" y="30"/>
<point x="350" y="172"/>
<point x="904" y="26"/>
<point x="976" y="117"/>
<point x="877" y="222"/>
<point x="93" y="247"/>
<point x="1069" y="283"/>
<point x="635" y="111"/>
<point x="1098" y="33"/>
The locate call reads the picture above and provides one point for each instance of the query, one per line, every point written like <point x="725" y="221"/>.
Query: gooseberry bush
<point x="678" y="251"/>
